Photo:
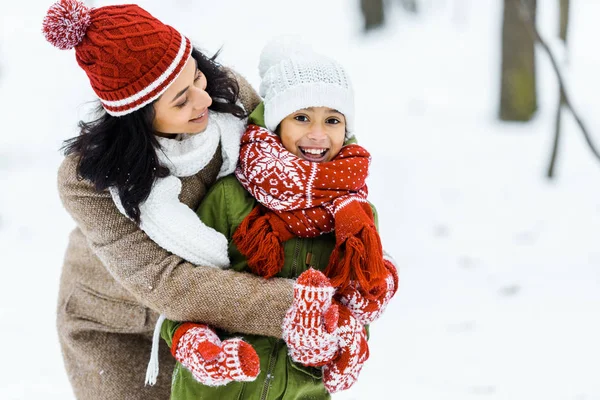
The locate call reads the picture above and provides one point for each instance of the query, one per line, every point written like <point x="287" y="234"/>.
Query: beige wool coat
<point x="115" y="281"/>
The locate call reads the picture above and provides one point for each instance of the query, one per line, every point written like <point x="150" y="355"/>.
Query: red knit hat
<point x="129" y="56"/>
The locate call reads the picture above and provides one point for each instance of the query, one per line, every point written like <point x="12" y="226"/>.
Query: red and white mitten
<point x="367" y="307"/>
<point x="212" y="362"/>
<point x="341" y="373"/>
<point x="308" y="327"/>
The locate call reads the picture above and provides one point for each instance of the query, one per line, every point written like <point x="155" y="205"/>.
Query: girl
<point x="296" y="204"/>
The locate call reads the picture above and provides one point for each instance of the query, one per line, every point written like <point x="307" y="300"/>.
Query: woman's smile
<point x="201" y="117"/>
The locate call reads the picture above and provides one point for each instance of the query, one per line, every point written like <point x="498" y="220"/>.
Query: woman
<point x="152" y="87"/>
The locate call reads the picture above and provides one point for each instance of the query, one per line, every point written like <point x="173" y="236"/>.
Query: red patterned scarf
<point x="306" y="199"/>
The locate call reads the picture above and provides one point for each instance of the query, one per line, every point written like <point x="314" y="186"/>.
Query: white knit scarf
<point x="170" y="223"/>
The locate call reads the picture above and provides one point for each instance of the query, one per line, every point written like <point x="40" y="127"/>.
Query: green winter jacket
<point x="223" y="208"/>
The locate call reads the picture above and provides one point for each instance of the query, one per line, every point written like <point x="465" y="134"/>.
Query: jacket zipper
<point x="270" y="368"/>
<point x="295" y="260"/>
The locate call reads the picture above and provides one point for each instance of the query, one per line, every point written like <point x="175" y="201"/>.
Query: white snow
<point x="499" y="268"/>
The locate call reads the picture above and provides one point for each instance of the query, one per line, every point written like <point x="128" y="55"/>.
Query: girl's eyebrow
<point x="329" y="109"/>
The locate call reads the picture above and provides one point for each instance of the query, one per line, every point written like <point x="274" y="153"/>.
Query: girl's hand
<point x="367" y="307"/>
<point x="212" y="362"/>
<point x="309" y="325"/>
<point x="341" y="373"/>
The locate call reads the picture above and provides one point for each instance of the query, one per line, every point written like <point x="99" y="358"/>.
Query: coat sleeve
<point x="248" y="95"/>
<point x="167" y="331"/>
<point x="175" y="227"/>
<point x="225" y="205"/>
<point x="164" y="282"/>
<point x="214" y="209"/>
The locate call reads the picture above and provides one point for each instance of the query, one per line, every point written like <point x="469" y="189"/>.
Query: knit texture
<point x="306" y="330"/>
<point x="320" y="331"/>
<point x="368" y="307"/>
<point x="66" y="23"/>
<point x="294" y="77"/>
<point x="212" y="362"/>
<point x="306" y="199"/>
<point x="169" y="222"/>
<point x="342" y="372"/>
<point x="129" y="56"/>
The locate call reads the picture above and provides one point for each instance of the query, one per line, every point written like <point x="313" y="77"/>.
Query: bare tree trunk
<point x="528" y="17"/>
<point x="373" y="13"/>
<point x="562" y="32"/>
<point x="555" y="144"/>
<point x="410" y="6"/>
<point x="564" y="19"/>
<point x="518" y="100"/>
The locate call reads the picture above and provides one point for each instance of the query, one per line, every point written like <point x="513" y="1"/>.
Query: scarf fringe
<point x="261" y="246"/>
<point x="362" y="261"/>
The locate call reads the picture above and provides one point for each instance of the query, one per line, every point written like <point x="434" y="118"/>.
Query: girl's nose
<point x="317" y="132"/>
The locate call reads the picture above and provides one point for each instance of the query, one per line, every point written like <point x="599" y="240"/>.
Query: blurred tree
<point x="518" y="100"/>
<point x="564" y="20"/>
<point x="562" y="33"/>
<point x="564" y="98"/>
<point x="410" y="5"/>
<point x="525" y="9"/>
<point x="373" y="13"/>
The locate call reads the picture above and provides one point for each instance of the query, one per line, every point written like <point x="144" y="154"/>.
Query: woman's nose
<point x="202" y="99"/>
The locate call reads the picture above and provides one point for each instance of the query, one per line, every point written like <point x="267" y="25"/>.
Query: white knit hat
<point x="295" y="77"/>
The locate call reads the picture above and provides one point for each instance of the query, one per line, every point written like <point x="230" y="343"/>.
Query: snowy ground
<point x="500" y="269"/>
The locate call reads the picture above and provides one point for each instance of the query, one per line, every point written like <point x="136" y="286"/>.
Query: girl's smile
<point x="314" y="134"/>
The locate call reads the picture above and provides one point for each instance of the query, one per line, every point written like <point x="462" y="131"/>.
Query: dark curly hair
<point x="121" y="151"/>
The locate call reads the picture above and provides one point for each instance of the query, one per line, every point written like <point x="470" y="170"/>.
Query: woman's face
<point x="183" y="107"/>
<point x="314" y="134"/>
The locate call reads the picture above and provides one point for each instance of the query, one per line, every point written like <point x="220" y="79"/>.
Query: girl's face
<point x="183" y="107"/>
<point x="314" y="134"/>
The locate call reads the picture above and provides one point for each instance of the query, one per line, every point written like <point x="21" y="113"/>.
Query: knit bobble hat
<point x="129" y="56"/>
<point x="295" y="77"/>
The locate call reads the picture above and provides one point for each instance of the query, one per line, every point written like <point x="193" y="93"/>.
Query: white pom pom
<point x="279" y="49"/>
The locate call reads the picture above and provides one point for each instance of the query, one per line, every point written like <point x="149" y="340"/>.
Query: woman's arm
<point x="233" y="301"/>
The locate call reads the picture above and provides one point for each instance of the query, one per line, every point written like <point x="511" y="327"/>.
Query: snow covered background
<point x="500" y="269"/>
